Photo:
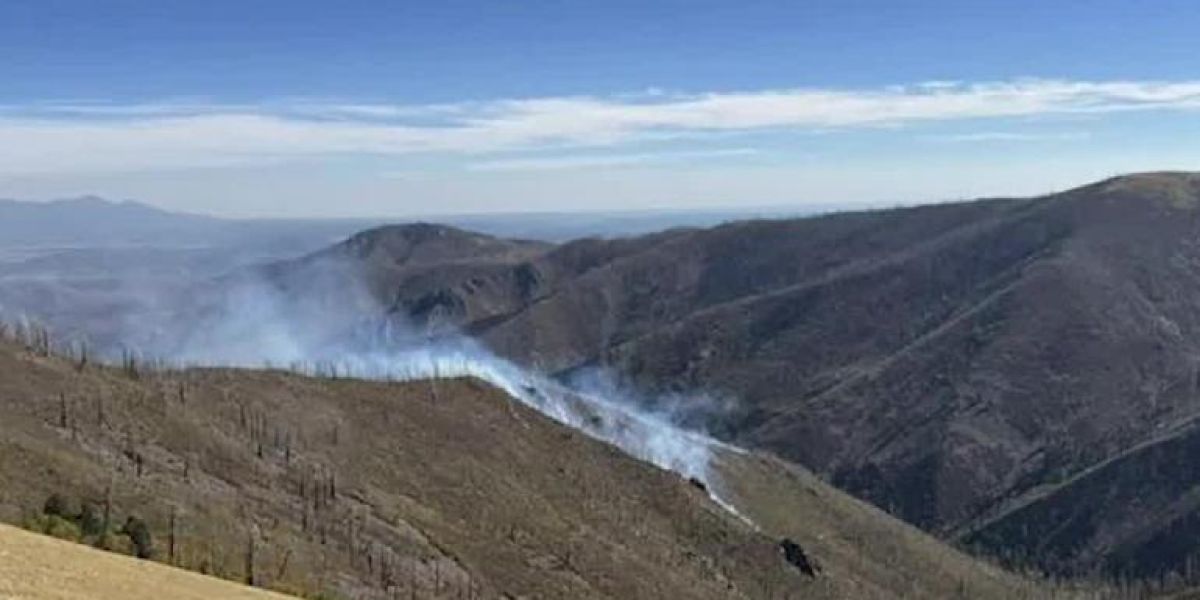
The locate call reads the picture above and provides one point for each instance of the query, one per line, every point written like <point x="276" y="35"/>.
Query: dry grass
<point x="38" y="567"/>
<point x="363" y="489"/>
<point x="441" y="489"/>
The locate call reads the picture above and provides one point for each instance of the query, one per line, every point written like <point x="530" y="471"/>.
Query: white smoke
<point x="331" y="326"/>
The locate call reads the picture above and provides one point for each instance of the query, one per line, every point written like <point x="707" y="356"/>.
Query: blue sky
<point x="404" y="108"/>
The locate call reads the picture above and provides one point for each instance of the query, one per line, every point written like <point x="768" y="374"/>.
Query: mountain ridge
<point x="933" y="360"/>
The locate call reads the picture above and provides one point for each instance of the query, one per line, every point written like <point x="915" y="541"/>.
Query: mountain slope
<point x="1134" y="515"/>
<point x="370" y="489"/>
<point x="945" y="362"/>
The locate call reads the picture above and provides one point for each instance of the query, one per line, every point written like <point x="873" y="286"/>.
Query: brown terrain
<point x="39" y="567"/>
<point x="434" y="489"/>
<point x="1022" y="375"/>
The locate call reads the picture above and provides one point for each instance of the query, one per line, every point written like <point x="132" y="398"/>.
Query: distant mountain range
<point x="91" y="221"/>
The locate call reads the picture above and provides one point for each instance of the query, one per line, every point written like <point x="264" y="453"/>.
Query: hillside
<point x="39" y="567"/>
<point x="435" y="488"/>
<point x="950" y="363"/>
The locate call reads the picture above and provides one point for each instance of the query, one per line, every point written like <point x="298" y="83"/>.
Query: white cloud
<point x="117" y="138"/>
<point x="1010" y="136"/>
<point x="542" y="163"/>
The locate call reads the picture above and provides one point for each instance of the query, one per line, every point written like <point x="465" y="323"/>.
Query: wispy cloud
<point x="1010" y="136"/>
<point x="96" y="137"/>
<point x="543" y="163"/>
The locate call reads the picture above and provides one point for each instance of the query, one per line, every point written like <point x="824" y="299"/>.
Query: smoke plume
<point x="330" y="325"/>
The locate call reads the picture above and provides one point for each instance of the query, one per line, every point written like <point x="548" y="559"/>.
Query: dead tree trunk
<point x="63" y="419"/>
<point x="171" y="538"/>
<point x="250" y="580"/>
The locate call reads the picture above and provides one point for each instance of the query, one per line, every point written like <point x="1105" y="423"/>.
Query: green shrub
<point x="114" y="543"/>
<point x="62" y="528"/>
<point x="36" y="524"/>
<point x="91" y="523"/>
<point x="58" y="506"/>
<point x="54" y="525"/>
<point x="139" y="537"/>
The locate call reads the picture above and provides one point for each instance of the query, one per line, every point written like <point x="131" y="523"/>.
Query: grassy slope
<point x="444" y="486"/>
<point x="43" y="568"/>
